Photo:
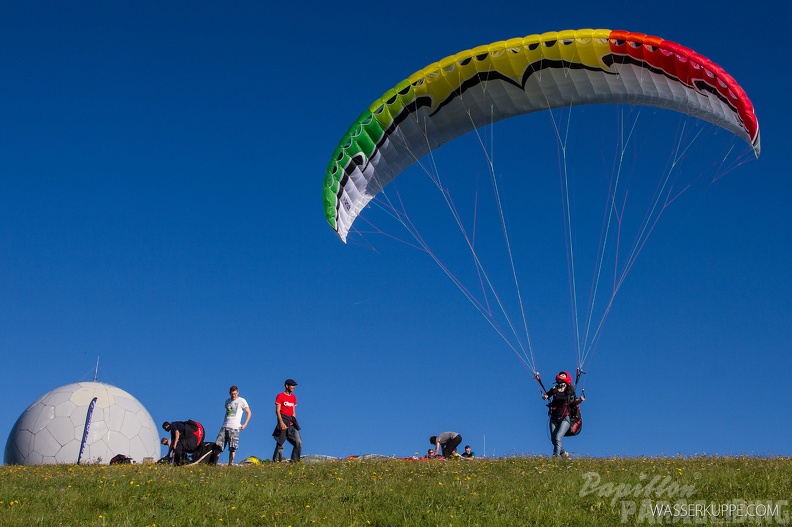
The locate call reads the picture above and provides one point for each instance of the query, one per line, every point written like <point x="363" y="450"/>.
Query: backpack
<point x="121" y="459"/>
<point x="575" y="420"/>
<point x="193" y="435"/>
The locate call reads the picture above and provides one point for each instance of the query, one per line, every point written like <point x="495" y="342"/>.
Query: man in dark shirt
<point x="468" y="454"/>
<point x="177" y="431"/>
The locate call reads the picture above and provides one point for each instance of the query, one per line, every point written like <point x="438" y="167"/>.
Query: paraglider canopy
<point x="522" y="75"/>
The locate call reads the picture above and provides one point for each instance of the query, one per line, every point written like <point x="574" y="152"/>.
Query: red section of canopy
<point x="689" y="67"/>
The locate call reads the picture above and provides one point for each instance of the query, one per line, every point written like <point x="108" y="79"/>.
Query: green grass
<point x="505" y="492"/>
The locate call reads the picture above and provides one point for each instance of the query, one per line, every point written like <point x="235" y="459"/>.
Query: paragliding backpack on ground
<point x="121" y="459"/>
<point x="575" y="420"/>
<point x="206" y="453"/>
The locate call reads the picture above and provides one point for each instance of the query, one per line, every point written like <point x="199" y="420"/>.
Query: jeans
<point x="292" y="435"/>
<point x="557" y="431"/>
<point x="179" y="453"/>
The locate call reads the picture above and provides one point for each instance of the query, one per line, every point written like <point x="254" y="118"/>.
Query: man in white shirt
<point x="232" y="425"/>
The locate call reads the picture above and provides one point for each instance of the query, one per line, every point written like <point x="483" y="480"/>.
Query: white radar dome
<point x="51" y="429"/>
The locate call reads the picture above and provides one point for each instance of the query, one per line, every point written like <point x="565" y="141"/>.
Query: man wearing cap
<point x="287" y="428"/>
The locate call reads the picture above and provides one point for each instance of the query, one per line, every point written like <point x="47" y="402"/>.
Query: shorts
<point x="228" y="436"/>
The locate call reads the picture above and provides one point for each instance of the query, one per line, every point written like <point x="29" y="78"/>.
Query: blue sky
<point x="161" y="171"/>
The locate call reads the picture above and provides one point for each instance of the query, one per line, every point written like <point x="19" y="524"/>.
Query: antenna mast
<point x="96" y="371"/>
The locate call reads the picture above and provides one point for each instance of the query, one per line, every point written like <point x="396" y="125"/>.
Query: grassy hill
<point x="502" y="492"/>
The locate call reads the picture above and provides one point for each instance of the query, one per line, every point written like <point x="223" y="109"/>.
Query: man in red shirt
<point x="287" y="428"/>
